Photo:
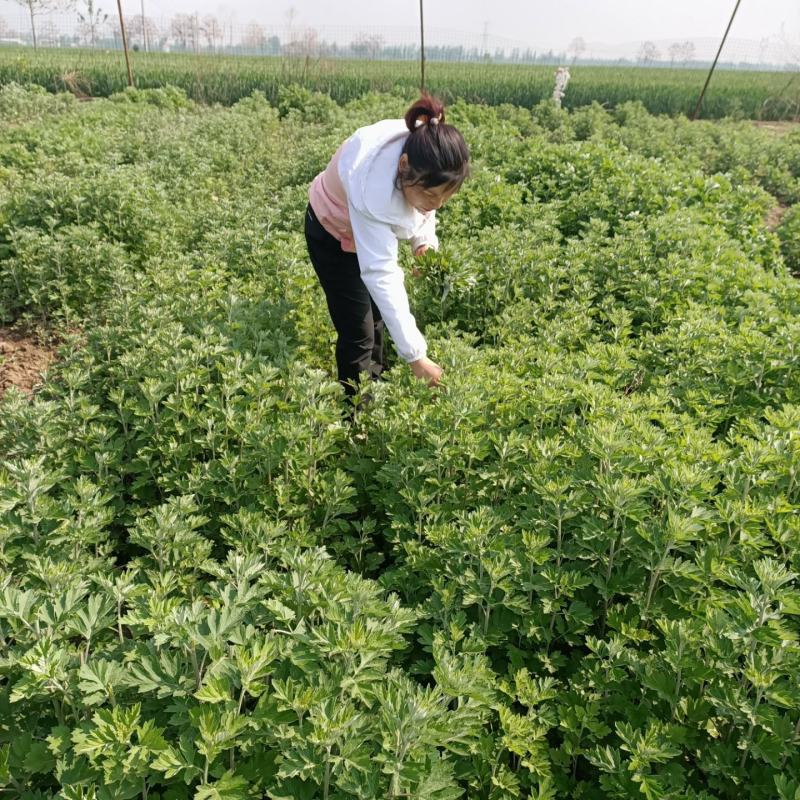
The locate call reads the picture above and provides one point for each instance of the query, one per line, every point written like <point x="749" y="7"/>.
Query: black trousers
<point x="356" y="318"/>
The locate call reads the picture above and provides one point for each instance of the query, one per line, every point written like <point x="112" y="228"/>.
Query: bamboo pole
<point x="125" y="43"/>
<point x="422" y="48"/>
<point x="713" y="66"/>
<point x="144" y="31"/>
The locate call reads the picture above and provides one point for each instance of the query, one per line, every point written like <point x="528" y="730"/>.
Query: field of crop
<point x="227" y="79"/>
<point x="571" y="572"/>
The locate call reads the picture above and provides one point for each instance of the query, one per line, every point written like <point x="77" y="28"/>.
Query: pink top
<point x="329" y="201"/>
<point x="356" y="202"/>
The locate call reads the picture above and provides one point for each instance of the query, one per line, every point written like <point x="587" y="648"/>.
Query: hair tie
<point x="425" y="119"/>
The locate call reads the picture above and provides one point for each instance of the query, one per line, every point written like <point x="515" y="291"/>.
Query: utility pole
<point x="144" y="31"/>
<point x="125" y="43"/>
<point x="485" y="39"/>
<point x="421" y="48"/>
<point x="711" y="71"/>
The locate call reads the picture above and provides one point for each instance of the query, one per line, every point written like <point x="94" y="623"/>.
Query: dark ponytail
<point x="437" y="153"/>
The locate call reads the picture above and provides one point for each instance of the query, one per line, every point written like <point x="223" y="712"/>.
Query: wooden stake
<point x="711" y="71"/>
<point x="125" y="43"/>
<point x="144" y="31"/>
<point x="422" y="48"/>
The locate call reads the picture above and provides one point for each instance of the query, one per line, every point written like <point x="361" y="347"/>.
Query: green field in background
<point x="226" y="79"/>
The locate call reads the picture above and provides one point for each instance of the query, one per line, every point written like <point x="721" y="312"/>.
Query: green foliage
<point x="30" y="101"/>
<point x="733" y="94"/>
<point x="165" y="97"/>
<point x="789" y="234"/>
<point x="307" y="106"/>
<point x="62" y="274"/>
<point x="570" y="573"/>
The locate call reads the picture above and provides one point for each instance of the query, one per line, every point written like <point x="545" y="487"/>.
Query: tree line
<point x="96" y="26"/>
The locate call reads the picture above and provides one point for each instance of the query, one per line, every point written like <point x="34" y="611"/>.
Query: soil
<point x="775" y="215"/>
<point x="23" y="359"/>
<point x="779" y="128"/>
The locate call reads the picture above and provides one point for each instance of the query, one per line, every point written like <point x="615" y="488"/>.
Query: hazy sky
<point x="540" y="23"/>
<point x="538" y="20"/>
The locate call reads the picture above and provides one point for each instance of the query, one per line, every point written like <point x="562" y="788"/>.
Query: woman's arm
<point x="376" y="248"/>
<point x="426" y="235"/>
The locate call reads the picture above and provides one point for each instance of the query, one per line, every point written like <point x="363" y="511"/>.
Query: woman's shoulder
<point x="368" y="140"/>
<point x="368" y="165"/>
<point x="384" y="128"/>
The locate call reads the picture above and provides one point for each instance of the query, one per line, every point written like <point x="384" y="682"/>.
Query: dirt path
<point x="775" y="215"/>
<point x="23" y="359"/>
<point x="779" y="128"/>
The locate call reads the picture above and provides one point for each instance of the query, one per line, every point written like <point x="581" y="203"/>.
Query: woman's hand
<point x="425" y="369"/>
<point x="418" y="253"/>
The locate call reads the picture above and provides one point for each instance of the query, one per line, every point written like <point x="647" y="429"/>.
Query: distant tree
<point x="681" y="51"/>
<point x="36" y="7"/>
<point x="305" y="43"/>
<point x="577" y="47"/>
<point x="648" y="53"/>
<point x="92" y="18"/>
<point x="184" y="30"/>
<point x="211" y="31"/>
<point x="254" y="36"/>
<point x="48" y="32"/>
<point x="291" y="15"/>
<point x="4" y="30"/>
<point x="763" y="47"/>
<point x="367" y="45"/>
<point x="142" y="31"/>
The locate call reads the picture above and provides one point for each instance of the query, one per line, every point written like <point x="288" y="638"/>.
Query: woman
<point x="384" y="183"/>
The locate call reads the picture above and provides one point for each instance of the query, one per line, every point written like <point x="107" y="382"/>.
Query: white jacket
<point x="379" y="216"/>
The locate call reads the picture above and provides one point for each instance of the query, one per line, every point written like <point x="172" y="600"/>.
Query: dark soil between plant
<point x="775" y="215"/>
<point x="777" y="127"/>
<point x="23" y="360"/>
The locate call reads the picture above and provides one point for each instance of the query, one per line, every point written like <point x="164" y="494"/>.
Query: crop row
<point x="226" y="79"/>
<point x="575" y="573"/>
